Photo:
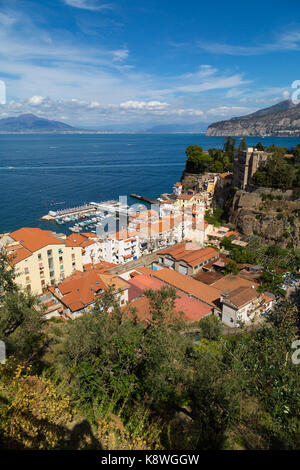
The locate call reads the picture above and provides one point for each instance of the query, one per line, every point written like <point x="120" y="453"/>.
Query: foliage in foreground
<point x="107" y="381"/>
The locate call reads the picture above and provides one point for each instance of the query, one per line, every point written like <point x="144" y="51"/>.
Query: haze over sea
<point x="39" y="173"/>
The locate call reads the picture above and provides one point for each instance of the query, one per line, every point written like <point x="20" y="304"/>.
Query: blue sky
<point x="142" y="63"/>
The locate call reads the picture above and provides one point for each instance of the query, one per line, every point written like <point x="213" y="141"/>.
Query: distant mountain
<point x="282" y="120"/>
<point x="32" y="123"/>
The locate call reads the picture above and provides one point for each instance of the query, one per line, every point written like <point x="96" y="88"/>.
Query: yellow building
<point x="41" y="258"/>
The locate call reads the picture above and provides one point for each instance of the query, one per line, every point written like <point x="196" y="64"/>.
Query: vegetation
<point x="278" y="173"/>
<point x="214" y="161"/>
<point x="107" y="381"/>
<point x="215" y="217"/>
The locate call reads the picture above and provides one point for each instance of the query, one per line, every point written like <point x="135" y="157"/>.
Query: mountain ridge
<point x="31" y="123"/>
<point x="279" y="120"/>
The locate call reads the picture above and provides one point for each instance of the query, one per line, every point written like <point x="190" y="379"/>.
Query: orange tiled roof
<point x="100" y="267"/>
<point x="81" y="289"/>
<point x="185" y="197"/>
<point x="231" y="282"/>
<point x="34" y="239"/>
<point x="18" y="254"/>
<point x="201" y="291"/>
<point x="76" y="239"/>
<point x="190" y="253"/>
<point x="192" y="309"/>
<point x="241" y="296"/>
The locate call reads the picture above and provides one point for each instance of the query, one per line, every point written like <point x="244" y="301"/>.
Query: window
<point x="52" y="282"/>
<point x="28" y="287"/>
<point x="49" y="252"/>
<point x="43" y="283"/>
<point x="27" y="278"/>
<point x="51" y="273"/>
<point x="39" y="256"/>
<point x="73" y="255"/>
<point x="26" y="270"/>
<point x="60" y="259"/>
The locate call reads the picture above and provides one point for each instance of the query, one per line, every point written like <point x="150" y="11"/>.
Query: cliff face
<point x="282" y="119"/>
<point x="272" y="215"/>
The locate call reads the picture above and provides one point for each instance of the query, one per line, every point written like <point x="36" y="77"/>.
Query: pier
<point x="80" y="210"/>
<point x="143" y="198"/>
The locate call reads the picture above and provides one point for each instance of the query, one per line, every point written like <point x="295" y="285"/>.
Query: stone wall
<point x="274" y="221"/>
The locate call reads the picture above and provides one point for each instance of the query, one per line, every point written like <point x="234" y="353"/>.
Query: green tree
<point x="242" y="145"/>
<point x="211" y="327"/>
<point x="232" y="268"/>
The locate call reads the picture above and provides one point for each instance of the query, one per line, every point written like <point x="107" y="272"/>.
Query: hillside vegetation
<point x="107" y="381"/>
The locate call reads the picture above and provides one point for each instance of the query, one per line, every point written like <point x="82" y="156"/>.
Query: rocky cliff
<point x="282" y="119"/>
<point x="272" y="215"/>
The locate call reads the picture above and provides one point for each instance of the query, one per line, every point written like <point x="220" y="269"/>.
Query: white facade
<point x="177" y="189"/>
<point x="120" y="251"/>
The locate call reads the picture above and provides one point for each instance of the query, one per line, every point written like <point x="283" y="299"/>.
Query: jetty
<point x="86" y="209"/>
<point x="143" y="198"/>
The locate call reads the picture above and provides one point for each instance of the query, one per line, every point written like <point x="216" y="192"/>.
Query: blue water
<point x="39" y="173"/>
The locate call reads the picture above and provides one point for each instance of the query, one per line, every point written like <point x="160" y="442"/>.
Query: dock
<point x="87" y="209"/>
<point x="143" y="198"/>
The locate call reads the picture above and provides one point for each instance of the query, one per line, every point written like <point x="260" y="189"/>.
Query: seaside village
<point x="170" y="245"/>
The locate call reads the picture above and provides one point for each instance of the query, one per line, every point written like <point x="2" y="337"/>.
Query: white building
<point x="177" y="188"/>
<point x="90" y="244"/>
<point x="243" y="305"/>
<point x="121" y="247"/>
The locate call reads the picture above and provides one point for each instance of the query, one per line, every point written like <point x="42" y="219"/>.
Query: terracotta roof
<point x="241" y="296"/>
<point x="81" y="289"/>
<point x="34" y="239"/>
<point x="192" y="309"/>
<point x="185" y="197"/>
<point x="208" y="277"/>
<point x="231" y="282"/>
<point x="100" y="267"/>
<point x="113" y="280"/>
<point x="18" y="254"/>
<point x="190" y="253"/>
<point x="197" y="289"/>
<point x="77" y="239"/>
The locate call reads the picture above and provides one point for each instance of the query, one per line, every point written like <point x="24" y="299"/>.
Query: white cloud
<point x="36" y="100"/>
<point x="120" y="55"/>
<point x="285" y="42"/>
<point x="226" y="111"/>
<point x="150" y="106"/>
<point x="88" y="5"/>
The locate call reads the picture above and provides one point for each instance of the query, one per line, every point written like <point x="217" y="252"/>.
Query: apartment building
<point x="41" y="258"/>
<point x="91" y="246"/>
<point x="121" y="247"/>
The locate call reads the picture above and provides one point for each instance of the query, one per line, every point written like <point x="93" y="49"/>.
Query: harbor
<point x="90" y="216"/>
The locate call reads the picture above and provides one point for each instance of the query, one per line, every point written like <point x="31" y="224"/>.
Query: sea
<point x="39" y="173"/>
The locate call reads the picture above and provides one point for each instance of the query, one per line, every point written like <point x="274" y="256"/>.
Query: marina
<point x="89" y="216"/>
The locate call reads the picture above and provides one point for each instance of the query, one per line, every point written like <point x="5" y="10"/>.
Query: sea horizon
<point x="41" y="172"/>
